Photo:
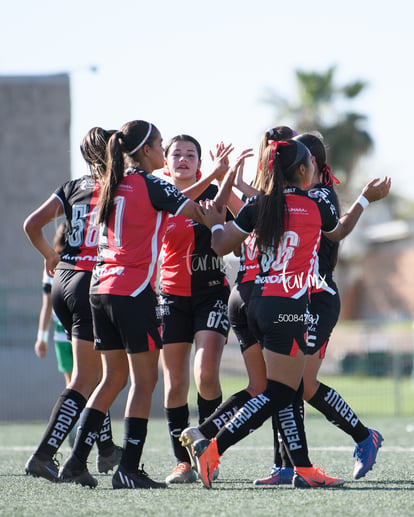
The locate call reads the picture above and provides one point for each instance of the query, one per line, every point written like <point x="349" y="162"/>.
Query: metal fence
<point x="370" y="364"/>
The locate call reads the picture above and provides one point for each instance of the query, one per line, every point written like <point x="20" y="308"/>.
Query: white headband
<point x="143" y="142"/>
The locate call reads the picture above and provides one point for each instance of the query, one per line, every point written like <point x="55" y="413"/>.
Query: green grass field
<point x="388" y="490"/>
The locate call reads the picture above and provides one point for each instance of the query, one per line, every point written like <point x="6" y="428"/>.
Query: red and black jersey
<point x="328" y="250"/>
<point x="249" y="264"/>
<point x="288" y="270"/>
<point x="129" y="245"/>
<point x="79" y="198"/>
<point x="189" y="263"/>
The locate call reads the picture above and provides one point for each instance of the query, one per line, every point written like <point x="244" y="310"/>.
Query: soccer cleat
<point x="277" y="476"/>
<point x="74" y="471"/>
<point x="366" y="453"/>
<point x="207" y="459"/>
<point x="183" y="473"/>
<point x="188" y="437"/>
<point x="48" y="468"/>
<point x="314" y="477"/>
<point x="138" y="479"/>
<point x="109" y="461"/>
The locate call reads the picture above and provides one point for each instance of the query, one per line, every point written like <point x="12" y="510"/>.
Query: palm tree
<point x="316" y="109"/>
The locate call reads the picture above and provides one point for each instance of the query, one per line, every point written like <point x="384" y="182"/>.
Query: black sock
<point x="64" y="415"/>
<point x="292" y="430"/>
<point x="88" y="430"/>
<point x="277" y="443"/>
<point x="104" y="440"/>
<point x="207" y="407"/>
<point x="330" y="403"/>
<point x="178" y="420"/>
<point x="212" y="425"/>
<point x="135" y="433"/>
<point x="253" y="413"/>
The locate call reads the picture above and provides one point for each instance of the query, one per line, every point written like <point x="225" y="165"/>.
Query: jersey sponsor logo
<point x="124" y="187"/>
<point x="76" y="258"/>
<point x="319" y="194"/>
<point x="104" y="271"/>
<point x="298" y="211"/>
<point x="87" y="184"/>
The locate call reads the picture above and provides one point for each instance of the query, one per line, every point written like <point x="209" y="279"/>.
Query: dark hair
<point x="93" y="149"/>
<point x="275" y="133"/>
<point x="280" y="163"/>
<point x="183" y="138"/>
<point x="129" y="140"/>
<point x="314" y="142"/>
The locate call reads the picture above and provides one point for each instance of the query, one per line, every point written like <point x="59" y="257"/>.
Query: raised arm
<point x="244" y="187"/>
<point x="373" y="191"/>
<point x="220" y="167"/>
<point x="225" y="195"/>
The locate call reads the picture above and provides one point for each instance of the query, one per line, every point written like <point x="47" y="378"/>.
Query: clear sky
<point x="203" y="68"/>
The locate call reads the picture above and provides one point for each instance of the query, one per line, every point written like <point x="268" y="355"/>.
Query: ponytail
<point x="270" y="223"/>
<point x="113" y="177"/>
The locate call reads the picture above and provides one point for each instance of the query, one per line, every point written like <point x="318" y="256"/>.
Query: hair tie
<point x="275" y="145"/>
<point x="328" y="177"/>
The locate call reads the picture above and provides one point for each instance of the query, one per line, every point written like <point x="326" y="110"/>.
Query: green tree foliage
<point x="320" y="106"/>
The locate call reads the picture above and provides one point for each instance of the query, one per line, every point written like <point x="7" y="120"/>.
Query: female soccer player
<point x="133" y="209"/>
<point x="282" y="217"/>
<point x="71" y="271"/>
<point x="324" y="314"/>
<point x="193" y="305"/>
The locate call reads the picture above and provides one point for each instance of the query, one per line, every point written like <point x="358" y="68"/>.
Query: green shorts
<point x="63" y="349"/>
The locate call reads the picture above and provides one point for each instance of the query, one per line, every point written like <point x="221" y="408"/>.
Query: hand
<point x="221" y="160"/>
<point x="237" y="169"/>
<point x="375" y="191"/>
<point x="51" y="262"/>
<point x="40" y="348"/>
<point x="247" y="153"/>
<point x="212" y="214"/>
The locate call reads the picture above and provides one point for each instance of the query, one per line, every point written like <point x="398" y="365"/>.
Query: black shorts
<point x="238" y="305"/>
<point x="183" y="316"/>
<point x="126" y="322"/>
<point x="70" y="299"/>
<point x="324" y="313"/>
<point x="280" y="323"/>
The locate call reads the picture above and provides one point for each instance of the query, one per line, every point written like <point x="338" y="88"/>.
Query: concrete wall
<point x="35" y="159"/>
